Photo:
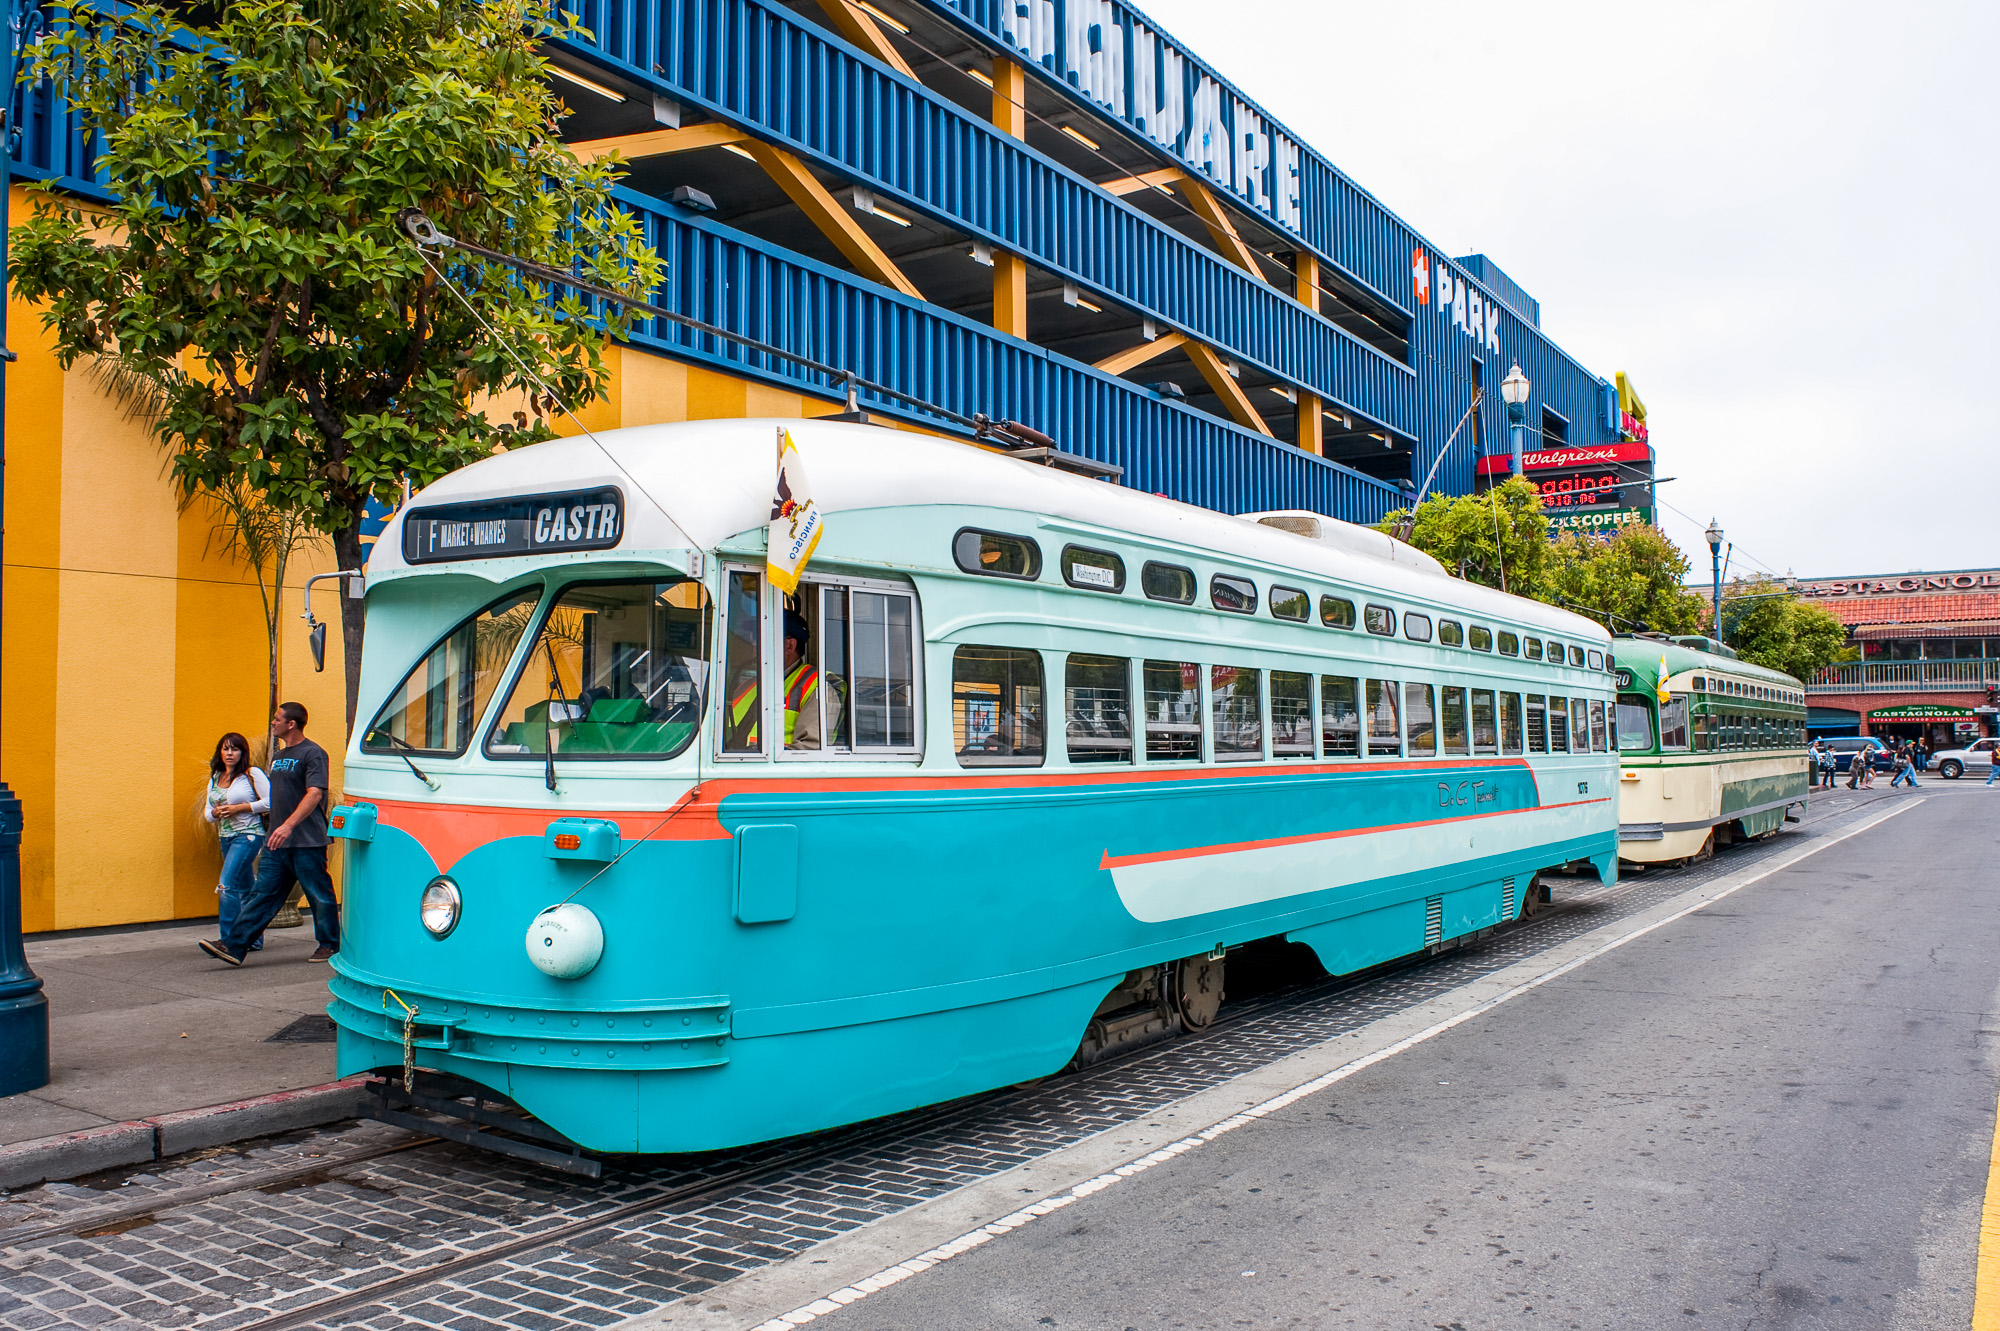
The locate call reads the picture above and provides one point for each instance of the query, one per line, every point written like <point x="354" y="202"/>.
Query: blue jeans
<point x="277" y="872"/>
<point x="1904" y="773"/>
<point x="1993" y="774"/>
<point x="239" y="853"/>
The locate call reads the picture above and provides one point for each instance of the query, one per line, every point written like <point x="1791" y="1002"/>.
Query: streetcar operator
<point x="801" y="694"/>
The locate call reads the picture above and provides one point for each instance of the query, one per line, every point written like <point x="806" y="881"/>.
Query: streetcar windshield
<point x="1635" y="723"/>
<point x="435" y="707"/>
<point x="619" y="670"/>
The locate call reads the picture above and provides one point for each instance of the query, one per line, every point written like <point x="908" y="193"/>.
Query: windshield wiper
<point x="400" y="744"/>
<point x="548" y="739"/>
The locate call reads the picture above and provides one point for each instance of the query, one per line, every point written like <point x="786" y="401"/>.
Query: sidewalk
<point x="142" y="1024"/>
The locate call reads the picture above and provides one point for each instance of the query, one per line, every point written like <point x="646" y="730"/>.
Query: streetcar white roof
<point x="696" y="484"/>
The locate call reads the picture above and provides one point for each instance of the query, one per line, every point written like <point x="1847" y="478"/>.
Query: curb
<point x="71" y="1155"/>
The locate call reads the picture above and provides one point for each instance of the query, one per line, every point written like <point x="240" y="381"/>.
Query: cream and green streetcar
<point x="1712" y="749"/>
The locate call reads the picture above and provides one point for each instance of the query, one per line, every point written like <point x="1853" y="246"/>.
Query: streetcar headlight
<point x="439" y="907"/>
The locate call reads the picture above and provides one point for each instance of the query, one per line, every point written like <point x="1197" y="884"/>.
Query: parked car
<point x="1847" y="746"/>
<point x="1954" y="763"/>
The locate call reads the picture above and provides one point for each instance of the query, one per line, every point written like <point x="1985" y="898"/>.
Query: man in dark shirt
<point x="295" y="852"/>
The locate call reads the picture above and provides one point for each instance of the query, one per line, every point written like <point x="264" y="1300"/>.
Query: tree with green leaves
<point x="1767" y="624"/>
<point x="1498" y="539"/>
<point x="1629" y="579"/>
<point x="251" y="268"/>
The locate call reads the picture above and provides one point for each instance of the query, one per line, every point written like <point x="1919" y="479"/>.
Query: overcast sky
<point x="1782" y="220"/>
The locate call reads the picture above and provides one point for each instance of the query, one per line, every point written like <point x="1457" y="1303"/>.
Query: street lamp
<point x="24" y="1012"/>
<point x="1714" y="534"/>
<point x="1514" y="391"/>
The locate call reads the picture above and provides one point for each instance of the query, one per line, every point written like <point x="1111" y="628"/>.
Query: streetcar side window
<point x="1236" y="595"/>
<point x="1674" y="725"/>
<point x="1420" y="720"/>
<point x="1558" y="725"/>
<point x="1510" y="724"/>
<point x="1339" y="717"/>
<point x="620" y="670"/>
<point x="879" y="681"/>
<point x="1093" y="570"/>
<point x="1452" y="719"/>
<point x="1237" y="712"/>
<point x="1336" y="612"/>
<point x="1172" y="697"/>
<point x="1290" y="603"/>
<point x="1385" y="733"/>
<point x="1597" y="660"/>
<point x="1538" y="723"/>
<point x="1480" y="638"/>
<point x="1097" y="706"/>
<point x="1598" y="738"/>
<point x="1531" y="648"/>
<point x="1579" y="726"/>
<point x="996" y="554"/>
<point x="1379" y="619"/>
<point x="1704" y="734"/>
<point x="1167" y="582"/>
<point x="1451" y="633"/>
<point x="1485" y="725"/>
<point x="996" y="706"/>
<point x="438" y="703"/>
<point x="1575" y="655"/>
<point x="1633" y="720"/>
<point x="1291" y="715"/>
<point x="1555" y="652"/>
<point x="1417" y="628"/>
<point x="1510" y="643"/>
<point x="743" y="666"/>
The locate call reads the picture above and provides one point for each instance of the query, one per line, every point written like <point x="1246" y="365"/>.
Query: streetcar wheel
<point x="1198" y="992"/>
<point x="1707" y="851"/>
<point x="1951" y="770"/>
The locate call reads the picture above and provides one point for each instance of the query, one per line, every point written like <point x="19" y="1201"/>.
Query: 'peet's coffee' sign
<point x="515" y="525"/>
<point x="1917" y="584"/>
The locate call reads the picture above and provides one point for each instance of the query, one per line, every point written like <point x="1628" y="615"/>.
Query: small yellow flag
<point x="1661" y="689"/>
<point x="795" y="521"/>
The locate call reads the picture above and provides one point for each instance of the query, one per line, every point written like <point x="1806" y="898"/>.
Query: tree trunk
<point x="351" y="554"/>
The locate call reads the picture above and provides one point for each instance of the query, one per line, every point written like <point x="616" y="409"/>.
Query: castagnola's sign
<point x="1917" y="584"/>
<point x="515" y="525"/>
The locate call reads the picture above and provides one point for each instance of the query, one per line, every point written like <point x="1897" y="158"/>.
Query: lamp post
<point x="1514" y="391"/>
<point x="24" y="1012"/>
<point x="1714" y="534"/>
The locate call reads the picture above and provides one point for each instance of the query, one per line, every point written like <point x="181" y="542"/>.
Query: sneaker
<point x="324" y="954"/>
<point x="220" y="951"/>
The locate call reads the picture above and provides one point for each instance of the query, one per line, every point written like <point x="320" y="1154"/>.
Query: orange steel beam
<point x="838" y="225"/>
<point x="658" y="142"/>
<point x="1305" y="280"/>
<point x="1220" y="229"/>
<point x="1119" y="362"/>
<point x="1165" y="176"/>
<point x="860" y="27"/>
<point x="1010" y="294"/>
<point x="1225" y="386"/>
<point x="1312" y="425"/>
<point x="1010" y="98"/>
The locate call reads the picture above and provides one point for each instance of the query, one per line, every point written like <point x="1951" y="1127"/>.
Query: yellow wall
<point x="133" y="638"/>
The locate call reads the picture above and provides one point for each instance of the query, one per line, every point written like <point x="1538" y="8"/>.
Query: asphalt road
<point x="1774" y="1112"/>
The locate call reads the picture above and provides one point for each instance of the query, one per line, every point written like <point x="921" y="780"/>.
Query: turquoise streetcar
<point x="675" y="860"/>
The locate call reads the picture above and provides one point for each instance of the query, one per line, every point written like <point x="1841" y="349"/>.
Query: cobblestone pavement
<point x="437" y="1235"/>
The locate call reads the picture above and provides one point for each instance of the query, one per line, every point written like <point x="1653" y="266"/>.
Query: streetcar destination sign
<point x="515" y="525"/>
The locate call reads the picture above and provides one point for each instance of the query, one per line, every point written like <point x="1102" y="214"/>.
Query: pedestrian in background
<point x="1854" y="768"/>
<point x="1867" y="760"/>
<point x="1923" y="755"/>
<point x="1906" y="766"/>
<point x="1823" y="758"/>
<point x="239" y="795"/>
<point x="294" y="852"/>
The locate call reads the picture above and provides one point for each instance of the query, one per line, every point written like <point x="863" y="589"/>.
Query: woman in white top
<point x="238" y="797"/>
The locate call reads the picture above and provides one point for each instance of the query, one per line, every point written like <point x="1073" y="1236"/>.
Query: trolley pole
<point x="1714" y="534"/>
<point x="24" y="1011"/>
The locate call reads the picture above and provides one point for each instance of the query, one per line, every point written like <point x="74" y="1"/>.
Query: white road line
<point x="690" y="1313"/>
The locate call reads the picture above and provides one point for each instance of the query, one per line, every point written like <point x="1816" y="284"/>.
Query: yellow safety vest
<point x="801" y="683"/>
